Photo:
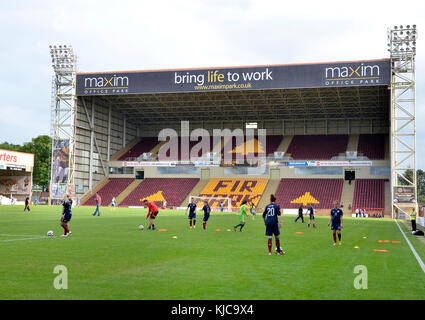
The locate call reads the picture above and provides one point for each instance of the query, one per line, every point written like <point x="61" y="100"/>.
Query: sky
<point x="128" y="35"/>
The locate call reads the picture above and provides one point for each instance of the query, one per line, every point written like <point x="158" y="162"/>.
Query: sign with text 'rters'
<point x="12" y="158"/>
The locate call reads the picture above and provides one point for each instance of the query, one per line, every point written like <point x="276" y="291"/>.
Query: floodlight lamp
<point x="395" y="27"/>
<point x="408" y="26"/>
<point x="401" y="27"/>
<point x="414" y="26"/>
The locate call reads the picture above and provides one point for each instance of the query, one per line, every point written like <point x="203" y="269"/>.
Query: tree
<point x="8" y="146"/>
<point x="408" y="174"/>
<point x="40" y="147"/>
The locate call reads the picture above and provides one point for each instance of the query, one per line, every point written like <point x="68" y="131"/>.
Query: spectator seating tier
<point x="369" y="194"/>
<point x="317" y="147"/>
<point x="372" y="145"/>
<point x="111" y="189"/>
<point x="144" y="145"/>
<point x="244" y="149"/>
<point x="180" y="155"/>
<point x="291" y="193"/>
<point x="172" y="190"/>
<point x="272" y="143"/>
<point x="236" y="189"/>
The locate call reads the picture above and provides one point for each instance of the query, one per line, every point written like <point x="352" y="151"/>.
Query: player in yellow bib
<point x="242" y="214"/>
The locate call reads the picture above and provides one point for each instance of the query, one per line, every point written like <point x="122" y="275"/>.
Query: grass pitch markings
<point x="132" y="257"/>
<point x="22" y="239"/>
<point x="20" y="235"/>
<point x="421" y="263"/>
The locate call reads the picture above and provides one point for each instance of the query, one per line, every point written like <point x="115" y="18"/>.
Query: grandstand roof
<point x="227" y="67"/>
<point x="354" y="102"/>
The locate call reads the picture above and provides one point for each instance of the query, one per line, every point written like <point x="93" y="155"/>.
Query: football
<point x="141" y="227"/>
<point x="50" y="233"/>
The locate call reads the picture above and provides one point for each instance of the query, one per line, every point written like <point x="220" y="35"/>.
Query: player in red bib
<point x="152" y="213"/>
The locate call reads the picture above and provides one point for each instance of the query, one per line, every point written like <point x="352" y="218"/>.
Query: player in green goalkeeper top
<point x="242" y="214"/>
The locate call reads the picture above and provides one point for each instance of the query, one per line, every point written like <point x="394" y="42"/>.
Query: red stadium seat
<point x="372" y="145"/>
<point x="291" y="192"/>
<point x="111" y="189"/>
<point x="272" y="143"/>
<point x="173" y="190"/>
<point x="145" y="145"/>
<point x="191" y="145"/>
<point x="317" y="147"/>
<point x="369" y="194"/>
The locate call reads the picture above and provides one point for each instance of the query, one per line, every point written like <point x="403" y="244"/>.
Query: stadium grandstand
<point x="321" y="132"/>
<point x="303" y="126"/>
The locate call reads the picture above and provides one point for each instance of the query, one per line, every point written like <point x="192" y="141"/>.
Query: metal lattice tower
<point x="402" y="48"/>
<point x="64" y="102"/>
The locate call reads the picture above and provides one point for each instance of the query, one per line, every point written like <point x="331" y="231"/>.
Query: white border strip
<point x="421" y="263"/>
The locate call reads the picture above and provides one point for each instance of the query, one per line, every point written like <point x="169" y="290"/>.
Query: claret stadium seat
<point x="111" y="189"/>
<point x="369" y="194"/>
<point x="172" y="190"/>
<point x="237" y="189"/>
<point x="144" y="145"/>
<point x="291" y="193"/>
<point x="372" y="146"/>
<point x="317" y="147"/>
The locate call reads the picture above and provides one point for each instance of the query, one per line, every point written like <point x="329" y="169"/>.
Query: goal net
<point x="213" y="202"/>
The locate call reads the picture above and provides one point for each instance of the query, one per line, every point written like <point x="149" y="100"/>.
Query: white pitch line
<point x="421" y="263"/>
<point x="20" y="235"/>
<point x="38" y="238"/>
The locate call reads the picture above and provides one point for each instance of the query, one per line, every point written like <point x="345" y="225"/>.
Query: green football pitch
<point x="108" y="257"/>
